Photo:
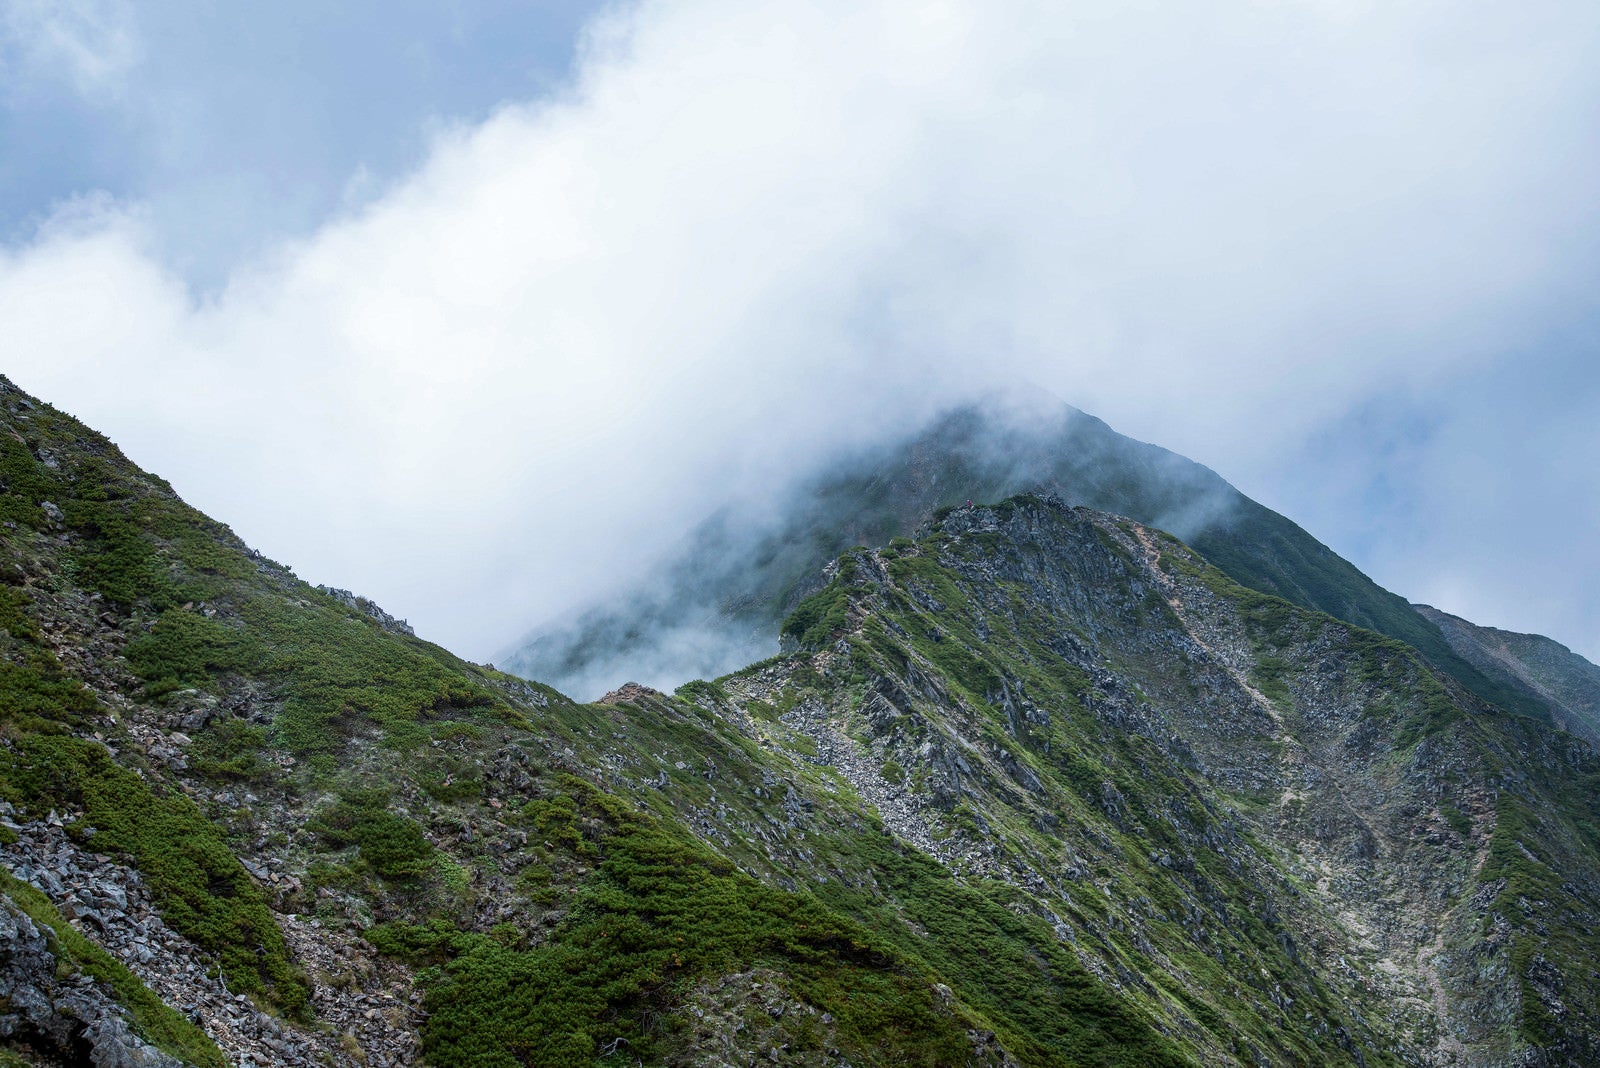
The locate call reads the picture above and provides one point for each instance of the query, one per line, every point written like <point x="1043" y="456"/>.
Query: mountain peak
<point x="719" y="604"/>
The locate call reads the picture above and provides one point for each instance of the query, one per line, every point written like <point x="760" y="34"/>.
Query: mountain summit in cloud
<point x="718" y="605"/>
<point x="405" y="336"/>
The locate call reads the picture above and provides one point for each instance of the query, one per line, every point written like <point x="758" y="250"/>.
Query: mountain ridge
<point x="736" y="585"/>
<point x="1037" y="786"/>
<point x="1569" y="683"/>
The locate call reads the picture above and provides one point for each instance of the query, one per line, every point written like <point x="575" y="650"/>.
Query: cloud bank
<point x="1300" y="242"/>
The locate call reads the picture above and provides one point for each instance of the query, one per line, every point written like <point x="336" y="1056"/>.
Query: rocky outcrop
<point x="108" y="903"/>
<point x="370" y="608"/>
<point x="54" y="1012"/>
<point x="628" y="691"/>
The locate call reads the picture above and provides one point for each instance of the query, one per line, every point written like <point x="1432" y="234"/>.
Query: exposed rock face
<point x="362" y="604"/>
<point x="69" y="1020"/>
<point x="628" y="691"/>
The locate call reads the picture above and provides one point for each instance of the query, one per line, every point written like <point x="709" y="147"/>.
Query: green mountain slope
<point x="737" y="581"/>
<point x="1039" y="787"/>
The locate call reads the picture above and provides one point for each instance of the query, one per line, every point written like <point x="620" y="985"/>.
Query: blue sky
<point x="478" y="307"/>
<point x="293" y="109"/>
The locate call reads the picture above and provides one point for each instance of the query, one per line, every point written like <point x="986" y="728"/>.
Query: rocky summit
<point x="1032" y="784"/>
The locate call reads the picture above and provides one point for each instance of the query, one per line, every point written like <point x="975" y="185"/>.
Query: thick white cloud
<point x="751" y="230"/>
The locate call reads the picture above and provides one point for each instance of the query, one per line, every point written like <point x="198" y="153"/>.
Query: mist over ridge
<point x="715" y="606"/>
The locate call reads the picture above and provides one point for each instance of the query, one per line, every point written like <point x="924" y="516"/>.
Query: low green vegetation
<point x="1270" y="676"/>
<point x="390" y="845"/>
<point x="333" y="671"/>
<point x="659" y="913"/>
<point x="820" y="617"/>
<point x="232" y="750"/>
<point x="194" y="877"/>
<point x="701" y="690"/>
<point x="1006" y="966"/>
